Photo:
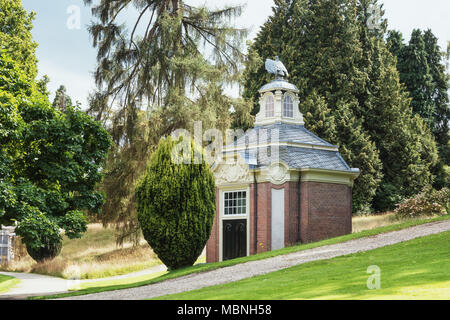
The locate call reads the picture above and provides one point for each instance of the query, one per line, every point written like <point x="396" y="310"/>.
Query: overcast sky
<point x="66" y="55"/>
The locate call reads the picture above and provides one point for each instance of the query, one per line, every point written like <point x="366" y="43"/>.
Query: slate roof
<point x="286" y="133"/>
<point x="296" y="157"/>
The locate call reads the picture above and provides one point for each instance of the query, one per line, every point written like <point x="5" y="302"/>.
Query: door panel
<point x="277" y="219"/>
<point x="234" y="239"/>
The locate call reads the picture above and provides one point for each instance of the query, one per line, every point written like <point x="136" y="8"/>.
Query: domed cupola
<point x="278" y="99"/>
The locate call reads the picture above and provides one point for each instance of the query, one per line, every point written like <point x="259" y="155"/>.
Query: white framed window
<point x="235" y="203"/>
<point x="270" y="111"/>
<point x="288" y="107"/>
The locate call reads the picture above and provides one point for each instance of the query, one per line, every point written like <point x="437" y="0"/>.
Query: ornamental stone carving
<point x="232" y="173"/>
<point x="278" y="173"/>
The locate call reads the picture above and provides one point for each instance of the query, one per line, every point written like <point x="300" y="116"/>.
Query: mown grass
<point x="265" y="255"/>
<point x="7" y="282"/>
<point x="93" y="256"/>
<point x="417" y="269"/>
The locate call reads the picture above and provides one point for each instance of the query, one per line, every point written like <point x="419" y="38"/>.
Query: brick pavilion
<point x="279" y="184"/>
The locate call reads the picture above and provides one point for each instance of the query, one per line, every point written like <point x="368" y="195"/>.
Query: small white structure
<point x="7" y="239"/>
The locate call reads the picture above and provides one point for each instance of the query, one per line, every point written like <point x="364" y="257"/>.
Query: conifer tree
<point x="403" y="142"/>
<point x="50" y="162"/>
<point x="62" y="100"/>
<point x="422" y="70"/>
<point x="439" y="94"/>
<point x="330" y="50"/>
<point x="176" y="203"/>
<point x="415" y="74"/>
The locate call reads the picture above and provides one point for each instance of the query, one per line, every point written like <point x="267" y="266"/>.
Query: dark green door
<point x="234" y="239"/>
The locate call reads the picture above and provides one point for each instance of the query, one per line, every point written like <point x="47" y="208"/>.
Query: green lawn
<point x="265" y="255"/>
<point x="7" y="282"/>
<point x="417" y="269"/>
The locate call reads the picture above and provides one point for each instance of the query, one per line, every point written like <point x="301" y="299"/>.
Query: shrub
<point x="176" y="206"/>
<point x="426" y="203"/>
<point x="41" y="235"/>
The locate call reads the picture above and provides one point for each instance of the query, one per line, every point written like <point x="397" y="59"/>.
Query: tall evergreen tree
<point x="62" y="101"/>
<point x="158" y="74"/>
<point x="422" y="69"/>
<point x="440" y="95"/>
<point x="402" y="140"/>
<point x="331" y="50"/>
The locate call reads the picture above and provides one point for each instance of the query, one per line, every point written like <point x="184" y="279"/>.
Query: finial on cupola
<point x="277" y="68"/>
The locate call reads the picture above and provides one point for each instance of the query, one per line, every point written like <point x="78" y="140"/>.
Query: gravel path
<point x="255" y="268"/>
<point x="32" y="284"/>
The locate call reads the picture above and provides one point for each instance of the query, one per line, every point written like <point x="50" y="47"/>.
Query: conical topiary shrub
<point x="176" y="205"/>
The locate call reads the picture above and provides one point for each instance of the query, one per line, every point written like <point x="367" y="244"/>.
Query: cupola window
<point x="288" y="107"/>
<point x="270" y="107"/>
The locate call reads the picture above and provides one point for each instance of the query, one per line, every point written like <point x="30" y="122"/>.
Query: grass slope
<point x="7" y="282"/>
<point x="265" y="255"/>
<point x="416" y="269"/>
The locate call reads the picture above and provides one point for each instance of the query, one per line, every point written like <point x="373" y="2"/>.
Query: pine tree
<point x="415" y="74"/>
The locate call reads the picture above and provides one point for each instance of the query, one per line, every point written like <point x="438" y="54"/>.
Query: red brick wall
<point x="325" y="213"/>
<point x="212" y="246"/>
<point x="264" y="217"/>
<point x="291" y="208"/>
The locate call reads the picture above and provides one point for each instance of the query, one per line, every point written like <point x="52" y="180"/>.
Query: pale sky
<point x="67" y="57"/>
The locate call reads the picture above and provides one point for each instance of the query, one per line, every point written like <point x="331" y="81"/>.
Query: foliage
<point x="91" y="257"/>
<point x="162" y="53"/>
<point x="74" y="223"/>
<point x="427" y="203"/>
<point x="40" y="234"/>
<point x="344" y="67"/>
<point x="423" y="71"/>
<point x="176" y="205"/>
<point x="15" y="35"/>
<point x="50" y="161"/>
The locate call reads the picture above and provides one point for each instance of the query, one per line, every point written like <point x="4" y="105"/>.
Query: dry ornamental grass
<point x="93" y="256"/>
